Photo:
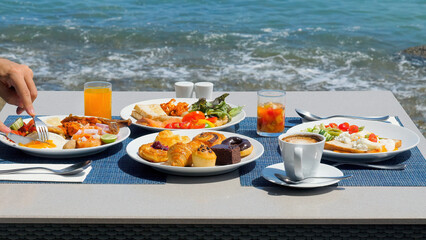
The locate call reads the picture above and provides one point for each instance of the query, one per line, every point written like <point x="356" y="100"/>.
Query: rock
<point x="419" y="51"/>
<point x="416" y="55"/>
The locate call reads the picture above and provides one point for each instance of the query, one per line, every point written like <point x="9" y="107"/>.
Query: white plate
<point x="324" y="170"/>
<point x="381" y="129"/>
<point x="127" y="111"/>
<point x="133" y="146"/>
<point x="66" y="153"/>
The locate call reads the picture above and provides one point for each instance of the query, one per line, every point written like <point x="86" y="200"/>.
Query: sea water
<point x="239" y="45"/>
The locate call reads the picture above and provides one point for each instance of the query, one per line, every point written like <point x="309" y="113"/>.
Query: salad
<point x="353" y="139"/>
<point x="201" y="114"/>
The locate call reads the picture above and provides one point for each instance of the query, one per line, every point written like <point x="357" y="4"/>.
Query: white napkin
<point x="40" y="175"/>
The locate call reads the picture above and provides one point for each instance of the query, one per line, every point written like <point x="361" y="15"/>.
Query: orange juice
<point x="97" y="102"/>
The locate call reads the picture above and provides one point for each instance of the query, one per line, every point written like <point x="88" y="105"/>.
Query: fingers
<point x="10" y="96"/>
<point x="25" y="91"/>
<point x="28" y="77"/>
<point x="4" y="128"/>
<point x="19" y="110"/>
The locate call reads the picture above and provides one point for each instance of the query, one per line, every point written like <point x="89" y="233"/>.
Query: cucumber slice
<point x="17" y="124"/>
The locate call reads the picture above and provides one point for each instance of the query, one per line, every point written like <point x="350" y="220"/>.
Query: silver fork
<point x="42" y="131"/>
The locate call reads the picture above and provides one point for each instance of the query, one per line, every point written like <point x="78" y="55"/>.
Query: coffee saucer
<point x="324" y="170"/>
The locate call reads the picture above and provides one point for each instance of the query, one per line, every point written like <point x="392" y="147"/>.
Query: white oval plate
<point x="324" y="170"/>
<point x="66" y="153"/>
<point x="381" y="129"/>
<point x="127" y="111"/>
<point x="133" y="147"/>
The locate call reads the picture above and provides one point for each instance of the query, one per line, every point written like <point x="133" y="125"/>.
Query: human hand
<point x="17" y="87"/>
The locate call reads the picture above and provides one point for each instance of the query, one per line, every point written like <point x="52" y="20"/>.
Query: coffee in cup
<point x="301" y="153"/>
<point x="302" y="139"/>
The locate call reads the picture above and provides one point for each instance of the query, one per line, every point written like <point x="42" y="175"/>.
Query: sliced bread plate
<point x="381" y="129"/>
<point x="126" y="113"/>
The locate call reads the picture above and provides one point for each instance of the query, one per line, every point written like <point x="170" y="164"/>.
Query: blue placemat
<point x="112" y="166"/>
<point x="413" y="175"/>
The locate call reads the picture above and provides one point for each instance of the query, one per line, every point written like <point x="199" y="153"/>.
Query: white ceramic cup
<point x="204" y="90"/>
<point x="301" y="158"/>
<point x="184" y="89"/>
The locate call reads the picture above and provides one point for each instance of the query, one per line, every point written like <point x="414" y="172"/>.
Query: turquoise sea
<point x="238" y="45"/>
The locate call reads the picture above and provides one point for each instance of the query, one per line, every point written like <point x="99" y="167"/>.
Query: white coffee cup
<point x="204" y="90"/>
<point x="301" y="153"/>
<point x="184" y="89"/>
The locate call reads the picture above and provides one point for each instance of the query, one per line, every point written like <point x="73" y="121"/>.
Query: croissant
<point x="179" y="155"/>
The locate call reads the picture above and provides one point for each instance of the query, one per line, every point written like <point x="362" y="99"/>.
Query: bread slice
<point x="347" y="148"/>
<point x="338" y="146"/>
<point x="152" y="111"/>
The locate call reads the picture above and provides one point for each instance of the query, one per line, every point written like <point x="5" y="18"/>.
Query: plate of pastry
<point x="183" y="113"/>
<point x="194" y="152"/>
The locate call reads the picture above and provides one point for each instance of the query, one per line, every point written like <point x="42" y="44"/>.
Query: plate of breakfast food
<point x="194" y="152"/>
<point x="360" y="140"/>
<point x="184" y="113"/>
<point x="69" y="135"/>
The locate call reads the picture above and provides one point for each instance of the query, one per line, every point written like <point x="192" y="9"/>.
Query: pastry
<point x="168" y="138"/>
<point x="153" y="152"/>
<point x="179" y="155"/>
<point x="209" y="138"/>
<point x="203" y="157"/>
<point x="226" y="154"/>
<point x="245" y="146"/>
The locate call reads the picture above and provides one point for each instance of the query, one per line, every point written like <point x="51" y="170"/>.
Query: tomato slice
<point x="372" y="137"/>
<point x="353" y="129"/>
<point x="169" y="126"/>
<point x="184" y="125"/>
<point x="344" y="126"/>
<point x="212" y="119"/>
<point x="193" y="116"/>
<point x="333" y="125"/>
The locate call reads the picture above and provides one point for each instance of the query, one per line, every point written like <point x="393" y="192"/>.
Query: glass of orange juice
<point x="270" y="112"/>
<point x="97" y="99"/>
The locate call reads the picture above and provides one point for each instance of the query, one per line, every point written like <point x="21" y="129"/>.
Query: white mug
<point x="301" y="153"/>
<point x="184" y="89"/>
<point x="204" y="90"/>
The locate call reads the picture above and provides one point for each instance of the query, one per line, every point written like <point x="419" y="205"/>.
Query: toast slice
<point x="151" y="111"/>
<point x="338" y="146"/>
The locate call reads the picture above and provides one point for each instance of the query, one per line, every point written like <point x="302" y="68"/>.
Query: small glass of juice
<point x="97" y="99"/>
<point x="270" y="112"/>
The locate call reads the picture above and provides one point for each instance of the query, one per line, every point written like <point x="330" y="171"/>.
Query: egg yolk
<point x="38" y="144"/>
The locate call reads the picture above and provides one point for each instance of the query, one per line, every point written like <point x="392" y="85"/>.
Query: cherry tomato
<point x="212" y="119"/>
<point x="372" y="137"/>
<point x="344" y="126"/>
<point x="184" y="125"/>
<point x="193" y="116"/>
<point x="194" y="125"/>
<point x="353" y="129"/>
<point x="333" y="125"/>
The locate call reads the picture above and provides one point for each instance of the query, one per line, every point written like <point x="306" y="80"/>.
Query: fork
<point x="42" y="131"/>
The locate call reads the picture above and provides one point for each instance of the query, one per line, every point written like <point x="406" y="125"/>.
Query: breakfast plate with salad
<point x="69" y="135"/>
<point x="184" y="113"/>
<point x="360" y="140"/>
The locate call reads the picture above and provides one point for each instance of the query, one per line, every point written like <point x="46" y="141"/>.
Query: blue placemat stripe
<point x="413" y="175"/>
